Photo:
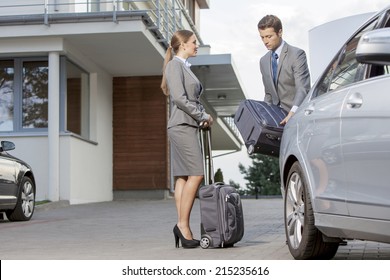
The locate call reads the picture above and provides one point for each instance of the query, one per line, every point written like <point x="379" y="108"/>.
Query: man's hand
<point x="285" y="120"/>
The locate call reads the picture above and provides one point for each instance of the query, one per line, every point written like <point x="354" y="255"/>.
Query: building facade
<point x="80" y="93"/>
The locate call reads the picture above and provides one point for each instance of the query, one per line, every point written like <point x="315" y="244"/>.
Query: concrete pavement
<point x="142" y="230"/>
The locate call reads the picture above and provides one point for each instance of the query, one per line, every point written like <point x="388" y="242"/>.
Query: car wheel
<point x="303" y="238"/>
<point x="26" y="202"/>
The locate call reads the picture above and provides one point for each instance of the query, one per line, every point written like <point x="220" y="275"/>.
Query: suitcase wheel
<point x="205" y="241"/>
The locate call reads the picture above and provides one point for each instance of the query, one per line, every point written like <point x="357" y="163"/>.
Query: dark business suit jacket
<point x="185" y="90"/>
<point x="293" y="77"/>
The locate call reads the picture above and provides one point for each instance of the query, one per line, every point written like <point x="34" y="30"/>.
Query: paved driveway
<point x="142" y="229"/>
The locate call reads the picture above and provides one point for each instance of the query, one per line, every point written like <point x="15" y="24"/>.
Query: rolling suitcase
<point x="222" y="219"/>
<point x="259" y="125"/>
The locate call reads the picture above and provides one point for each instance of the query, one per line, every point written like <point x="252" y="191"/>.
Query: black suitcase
<point x="222" y="219"/>
<point x="259" y="125"/>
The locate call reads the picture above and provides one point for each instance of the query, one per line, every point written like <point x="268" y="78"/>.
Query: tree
<point x="238" y="187"/>
<point x="263" y="176"/>
<point x="218" y="177"/>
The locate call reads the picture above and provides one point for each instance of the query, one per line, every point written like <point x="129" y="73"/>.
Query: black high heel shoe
<point x="185" y="243"/>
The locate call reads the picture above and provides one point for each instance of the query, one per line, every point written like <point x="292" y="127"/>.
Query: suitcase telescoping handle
<point x="207" y="155"/>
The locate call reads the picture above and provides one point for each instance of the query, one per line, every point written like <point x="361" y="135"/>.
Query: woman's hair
<point x="179" y="37"/>
<point x="270" y="21"/>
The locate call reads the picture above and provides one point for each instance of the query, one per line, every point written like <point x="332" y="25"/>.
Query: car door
<point x="323" y="136"/>
<point x="319" y="132"/>
<point x="320" y="141"/>
<point x="365" y="136"/>
<point x="365" y="140"/>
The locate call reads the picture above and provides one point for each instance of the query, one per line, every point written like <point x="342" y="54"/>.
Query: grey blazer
<point x="185" y="90"/>
<point x="293" y="78"/>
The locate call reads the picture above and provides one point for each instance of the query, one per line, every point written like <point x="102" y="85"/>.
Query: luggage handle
<point x="207" y="155"/>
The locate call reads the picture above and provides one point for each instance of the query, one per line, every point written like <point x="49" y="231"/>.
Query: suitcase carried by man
<point x="259" y="125"/>
<point x="222" y="219"/>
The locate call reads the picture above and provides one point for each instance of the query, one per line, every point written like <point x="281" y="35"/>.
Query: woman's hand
<point x="207" y="123"/>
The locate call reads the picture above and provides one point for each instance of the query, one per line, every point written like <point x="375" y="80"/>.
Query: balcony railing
<point x="229" y="121"/>
<point x="162" y="17"/>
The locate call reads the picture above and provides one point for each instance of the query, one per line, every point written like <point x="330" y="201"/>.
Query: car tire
<point x="24" y="208"/>
<point x="304" y="240"/>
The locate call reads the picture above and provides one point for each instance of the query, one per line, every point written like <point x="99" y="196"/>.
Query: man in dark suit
<point x="289" y="82"/>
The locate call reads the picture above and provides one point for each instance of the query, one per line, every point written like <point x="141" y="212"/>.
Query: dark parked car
<point x="335" y="151"/>
<point x="17" y="186"/>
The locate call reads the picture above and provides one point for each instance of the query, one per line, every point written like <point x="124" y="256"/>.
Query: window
<point x="6" y="95"/>
<point x="24" y="96"/>
<point x="77" y="100"/>
<point x="35" y="94"/>
<point x="344" y="69"/>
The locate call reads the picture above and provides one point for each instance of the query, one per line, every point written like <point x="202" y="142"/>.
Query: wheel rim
<point x="295" y="210"/>
<point x="28" y="199"/>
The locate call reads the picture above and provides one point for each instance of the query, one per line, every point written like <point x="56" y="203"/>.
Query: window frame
<point x="64" y="95"/>
<point x="18" y="128"/>
<point x="18" y="63"/>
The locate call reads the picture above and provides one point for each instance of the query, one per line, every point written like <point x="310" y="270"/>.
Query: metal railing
<point x="162" y="17"/>
<point x="229" y="121"/>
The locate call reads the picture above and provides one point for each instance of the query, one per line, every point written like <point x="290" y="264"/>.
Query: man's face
<point x="270" y="38"/>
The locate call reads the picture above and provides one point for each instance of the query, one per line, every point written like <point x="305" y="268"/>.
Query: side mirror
<point x="7" y="146"/>
<point x="374" y="47"/>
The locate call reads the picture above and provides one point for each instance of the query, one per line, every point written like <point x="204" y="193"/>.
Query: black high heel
<point x="185" y="243"/>
<point x="194" y="238"/>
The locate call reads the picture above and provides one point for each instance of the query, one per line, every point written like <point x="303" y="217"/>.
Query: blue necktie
<point x="274" y="61"/>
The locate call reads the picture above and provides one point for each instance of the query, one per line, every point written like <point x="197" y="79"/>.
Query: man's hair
<point x="270" y="21"/>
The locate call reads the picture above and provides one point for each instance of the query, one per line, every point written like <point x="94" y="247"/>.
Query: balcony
<point x="125" y="38"/>
<point x="162" y="17"/>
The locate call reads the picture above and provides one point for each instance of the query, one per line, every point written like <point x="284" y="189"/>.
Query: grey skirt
<point x="186" y="153"/>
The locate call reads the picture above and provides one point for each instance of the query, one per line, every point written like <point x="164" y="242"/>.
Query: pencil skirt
<point x="186" y="154"/>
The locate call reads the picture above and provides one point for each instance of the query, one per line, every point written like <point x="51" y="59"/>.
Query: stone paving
<point x="142" y="230"/>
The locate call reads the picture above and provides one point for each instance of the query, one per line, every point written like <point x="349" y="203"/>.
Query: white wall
<point x="91" y="166"/>
<point x="33" y="150"/>
<point x="85" y="167"/>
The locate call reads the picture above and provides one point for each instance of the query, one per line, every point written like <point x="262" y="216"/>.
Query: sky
<point x="229" y="27"/>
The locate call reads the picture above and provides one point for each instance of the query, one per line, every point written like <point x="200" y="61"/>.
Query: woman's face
<point x="270" y="38"/>
<point x="190" y="48"/>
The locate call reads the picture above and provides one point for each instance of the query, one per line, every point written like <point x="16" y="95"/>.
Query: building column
<point x="54" y="127"/>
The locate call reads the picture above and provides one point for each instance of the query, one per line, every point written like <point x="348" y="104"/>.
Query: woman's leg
<point x="185" y="201"/>
<point x="179" y="186"/>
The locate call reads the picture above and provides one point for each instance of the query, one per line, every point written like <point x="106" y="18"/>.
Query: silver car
<point x="335" y="151"/>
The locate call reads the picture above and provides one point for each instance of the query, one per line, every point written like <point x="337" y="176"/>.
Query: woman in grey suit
<point x="187" y="114"/>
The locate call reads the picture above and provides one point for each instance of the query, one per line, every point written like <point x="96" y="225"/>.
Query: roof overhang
<point x="222" y="93"/>
<point x="203" y="4"/>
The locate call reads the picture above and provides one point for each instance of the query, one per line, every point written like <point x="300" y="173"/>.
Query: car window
<point x="378" y="70"/>
<point x="344" y="69"/>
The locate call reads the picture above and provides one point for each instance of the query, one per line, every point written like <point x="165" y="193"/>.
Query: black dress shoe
<point x="185" y="243"/>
